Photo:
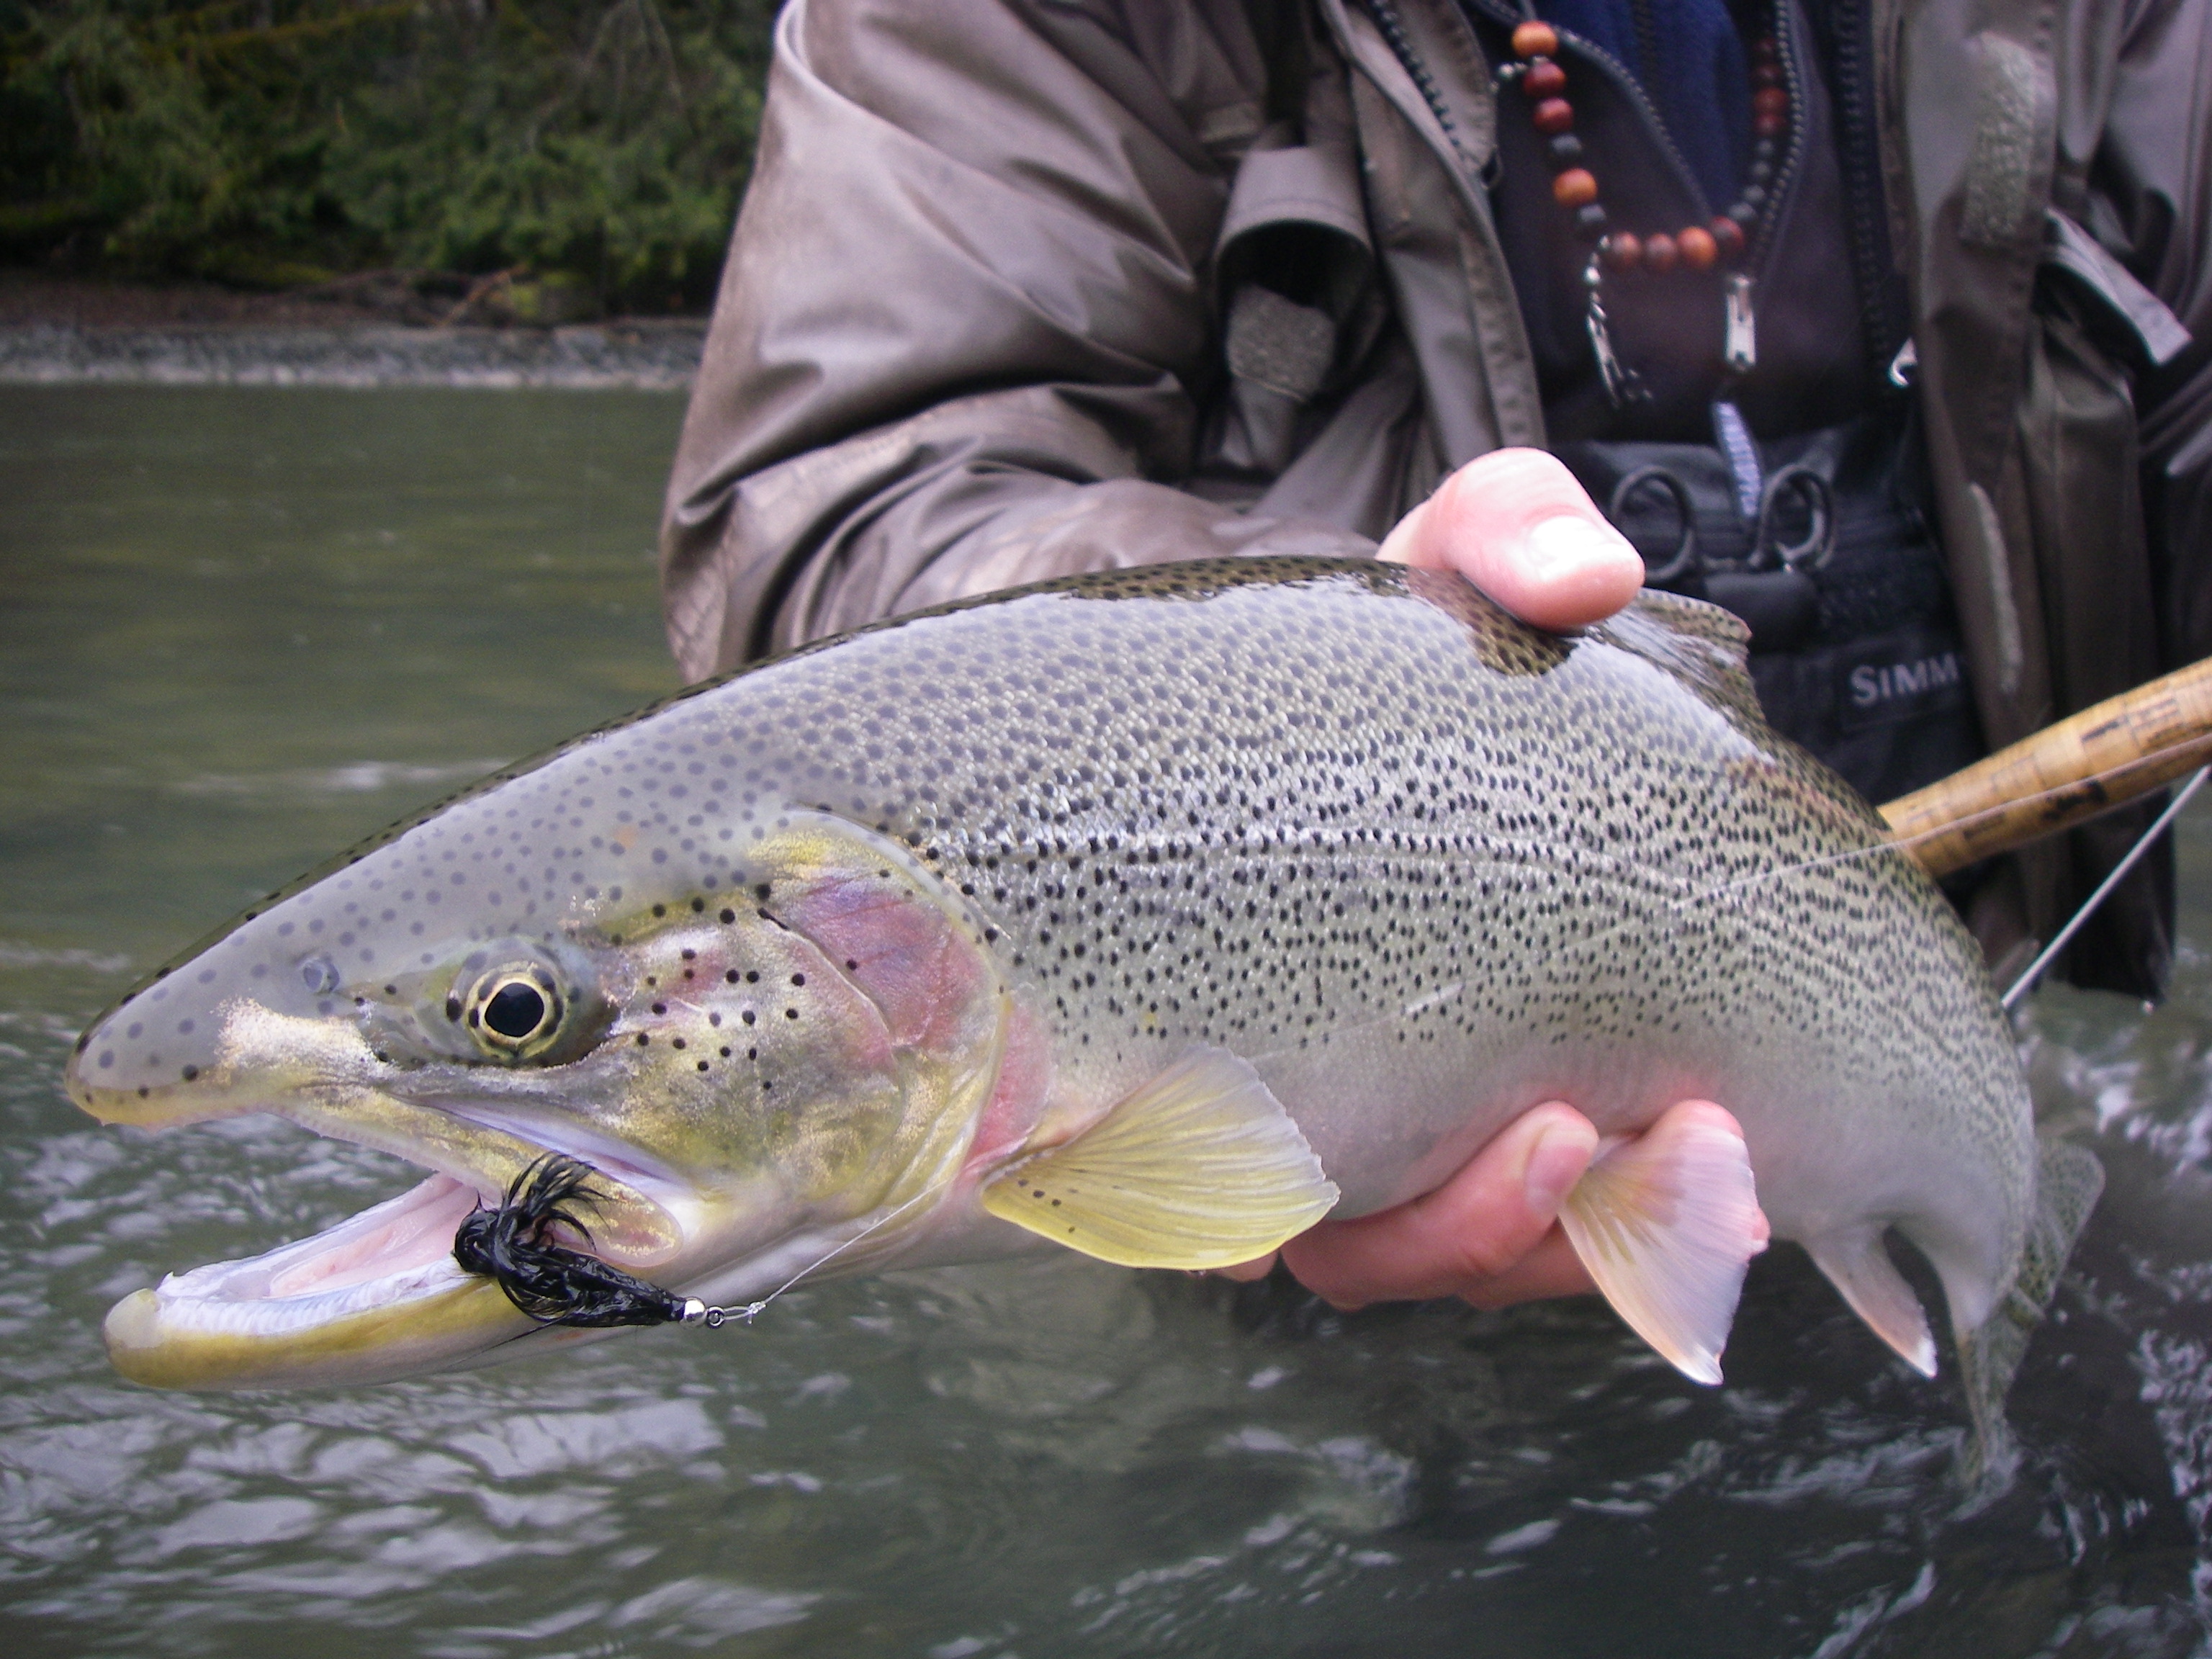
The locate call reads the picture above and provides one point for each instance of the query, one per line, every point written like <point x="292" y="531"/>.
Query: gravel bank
<point x="651" y="355"/>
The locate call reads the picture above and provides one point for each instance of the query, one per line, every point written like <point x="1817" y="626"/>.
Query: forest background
<point x="554" y="160"/>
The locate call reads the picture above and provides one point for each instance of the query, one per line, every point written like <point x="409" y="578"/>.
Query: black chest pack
<point x="1822" y="543"/>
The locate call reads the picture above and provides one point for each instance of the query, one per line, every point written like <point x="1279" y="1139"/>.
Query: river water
<point x="240" y="629"/>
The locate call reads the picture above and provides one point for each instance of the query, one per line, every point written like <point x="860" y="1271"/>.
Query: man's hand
<point x="1518" y="527"/>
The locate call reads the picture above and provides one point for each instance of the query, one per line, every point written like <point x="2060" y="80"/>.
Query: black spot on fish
<point x="729" y="915"/>
<point x="190" y="1072"/>
<point x="799" y="979"/>
<point x="697" y="905"/>
<point x="453" y="1007"/>
<point x="642" y="1039"/>
<point x="660" y="909"/>
<point x="730" y="976"/>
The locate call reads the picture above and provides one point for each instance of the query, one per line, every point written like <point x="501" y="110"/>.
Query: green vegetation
<point x="593" y="151"/>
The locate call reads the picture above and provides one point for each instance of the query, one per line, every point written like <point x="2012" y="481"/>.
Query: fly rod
<point x="2065" y="775"/>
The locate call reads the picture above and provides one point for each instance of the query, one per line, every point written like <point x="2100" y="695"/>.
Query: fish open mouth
<point x="381" y="1294"/>
<point x="391" y="1252"/>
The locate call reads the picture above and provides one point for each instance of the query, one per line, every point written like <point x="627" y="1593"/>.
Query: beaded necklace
<point x="1723" y="241"/>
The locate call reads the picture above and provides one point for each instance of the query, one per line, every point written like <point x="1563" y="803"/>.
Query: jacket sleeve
<point x="2152" y="203"/>
<point x="964" y="327"/>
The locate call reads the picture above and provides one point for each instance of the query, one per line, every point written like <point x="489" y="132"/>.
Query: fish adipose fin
<point x="1666" y="1222"/>
<point x="1201" y="1167"/>
<point x="1858" y="1264"/>
<point x="2068" y="1181"/>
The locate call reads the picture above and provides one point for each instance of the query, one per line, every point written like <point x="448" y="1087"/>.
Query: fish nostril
<point x="319" y="975"/>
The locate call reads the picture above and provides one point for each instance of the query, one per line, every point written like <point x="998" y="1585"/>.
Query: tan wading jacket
<point x="1006" y="302"/>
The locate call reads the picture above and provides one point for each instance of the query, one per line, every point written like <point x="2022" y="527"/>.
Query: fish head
<point x="750" y="1050"/>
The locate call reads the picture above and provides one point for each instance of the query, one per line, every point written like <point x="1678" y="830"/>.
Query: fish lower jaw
<point x="378" y="1295"/>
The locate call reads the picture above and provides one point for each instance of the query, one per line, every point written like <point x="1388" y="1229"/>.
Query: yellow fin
<point x="1666" y="1222"/>
<point x="1858" y="1265"/>
<point x="1200" y="1167"/>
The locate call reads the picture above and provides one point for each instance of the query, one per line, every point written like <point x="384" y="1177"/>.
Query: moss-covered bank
<point x="532" y="159"/>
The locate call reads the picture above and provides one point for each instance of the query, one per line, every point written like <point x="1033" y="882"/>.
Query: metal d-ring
<point x="1683" y="560"/>
<point x="1811" y="551"/>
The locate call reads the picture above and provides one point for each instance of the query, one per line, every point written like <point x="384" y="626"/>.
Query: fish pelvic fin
<point x="1200" y="1167"/>
<point x="2068" y="1182"/>
<point x="1666" y="1222"/>
<point x="1858" y="1263"/>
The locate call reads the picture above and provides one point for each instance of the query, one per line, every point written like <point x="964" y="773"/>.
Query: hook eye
<point x="1682" y="559"/>
<point x="1795" y="489"/>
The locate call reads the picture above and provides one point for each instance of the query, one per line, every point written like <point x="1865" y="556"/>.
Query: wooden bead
<point x="1698" y="247"/>
<point x="1768" y="126"/>
<point x="1727" y="236"/>
<point x="1622" y="250"/>
<point x="1660" y="254"/>
<point x="1763" y="50"/>
<point x="1535" y="39"/>
<point x="1766" y="74"/>
<point x="1770" y="100"/>
<point x="1543" y="79"/>
<point x="1574" y="187"/>
<point x="1553" y="115"/>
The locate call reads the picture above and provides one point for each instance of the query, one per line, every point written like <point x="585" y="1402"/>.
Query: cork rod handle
<point x="2063" y="776"/>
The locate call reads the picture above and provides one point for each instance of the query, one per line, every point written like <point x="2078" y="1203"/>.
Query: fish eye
<point x="514" y="1012"/>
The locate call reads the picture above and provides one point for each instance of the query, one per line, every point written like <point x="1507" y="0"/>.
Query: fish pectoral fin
<point x="1201" y="1167"/>
<point x="1666" y="1222"/>
<point x="1858" y="1264"/>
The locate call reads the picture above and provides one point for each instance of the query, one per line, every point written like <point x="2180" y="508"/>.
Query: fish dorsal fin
<point x="1201" y="1167"/>
<point x="1858" y="1264"/>
<point x="1666" y="1222"/>
<point x="1707" y="645"/>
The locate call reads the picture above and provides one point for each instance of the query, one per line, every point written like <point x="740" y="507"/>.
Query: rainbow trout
<point x="1151" y="914"/>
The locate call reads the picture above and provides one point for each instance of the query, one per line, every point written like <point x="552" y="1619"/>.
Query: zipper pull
<point x="1739" y="339"/>
<point x="1622" y="385"/>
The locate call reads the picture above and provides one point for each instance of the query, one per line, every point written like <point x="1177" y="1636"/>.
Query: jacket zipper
<point x="1849" y="55"/>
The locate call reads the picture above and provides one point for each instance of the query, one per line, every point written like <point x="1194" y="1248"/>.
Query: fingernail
<point x="1569" y="543"/>
<point x="1562" y="1153"/>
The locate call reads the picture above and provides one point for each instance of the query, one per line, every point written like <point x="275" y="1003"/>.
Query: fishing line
<point x="513" y="1245"/>
<point x="2025" y="982"/>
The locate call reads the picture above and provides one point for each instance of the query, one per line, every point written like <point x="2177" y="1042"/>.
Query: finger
<point x="1245" y="1272"/>
<point x="1516" y="524"/>
<point x="1551" y="1269"/>
<point x="1466" y="1233"/>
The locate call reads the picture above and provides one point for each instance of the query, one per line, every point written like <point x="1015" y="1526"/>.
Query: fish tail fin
<point x="2068" y="1180"/>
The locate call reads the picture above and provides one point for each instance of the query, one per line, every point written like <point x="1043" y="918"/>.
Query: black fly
<point x="513" y="1246"/>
